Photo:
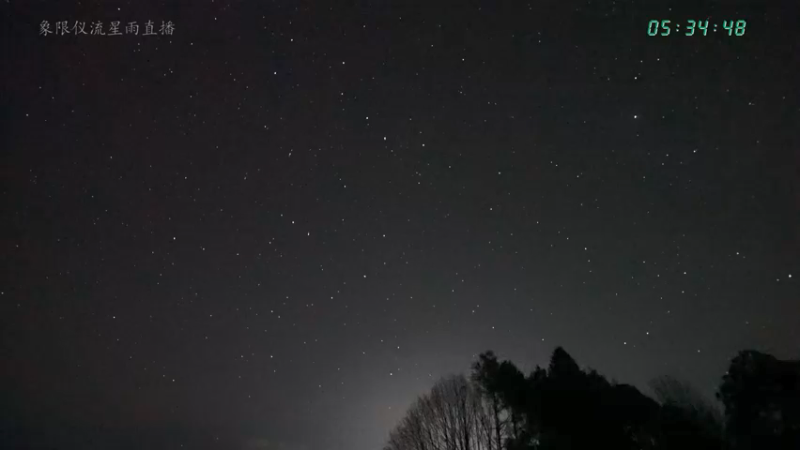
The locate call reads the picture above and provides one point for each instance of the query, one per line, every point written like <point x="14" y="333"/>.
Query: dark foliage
<point x="761" y="395"/>
<point x="567" y="407"/>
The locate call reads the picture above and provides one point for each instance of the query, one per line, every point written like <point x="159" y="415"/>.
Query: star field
<point x="282" y="223"/>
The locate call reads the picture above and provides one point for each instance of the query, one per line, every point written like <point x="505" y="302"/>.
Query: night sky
<point x="277" y="226"/>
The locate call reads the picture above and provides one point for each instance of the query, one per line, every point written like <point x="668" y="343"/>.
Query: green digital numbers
<point x="728" y="26"/>
<point x="738" y="31"/>
<point x="654" y="25"/>
<point x="663" y="27"/>
<point x="740" y="24"/>
<point x="652" y="28"/>
<point x="703" y="25"/>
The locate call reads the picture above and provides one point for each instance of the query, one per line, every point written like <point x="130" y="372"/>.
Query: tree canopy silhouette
<point x="761" y="395"/>
<point x="567" y="407"/>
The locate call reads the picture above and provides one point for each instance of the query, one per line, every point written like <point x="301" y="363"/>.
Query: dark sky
<point x="277" y="226"/>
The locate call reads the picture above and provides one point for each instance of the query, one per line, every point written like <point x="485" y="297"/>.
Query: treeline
<point x="566" y="407"/>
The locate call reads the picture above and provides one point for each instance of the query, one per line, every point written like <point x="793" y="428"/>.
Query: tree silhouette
<point x="563" y="406"/>
<point x="686" y="420"/>
<point x="451" y="417"/>
<point x="761" y="395"/>
<point x="485" y="374"/>
<point x="567" y="407"/>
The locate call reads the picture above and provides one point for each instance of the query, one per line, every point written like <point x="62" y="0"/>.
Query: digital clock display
<point x="696" y="27"/>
